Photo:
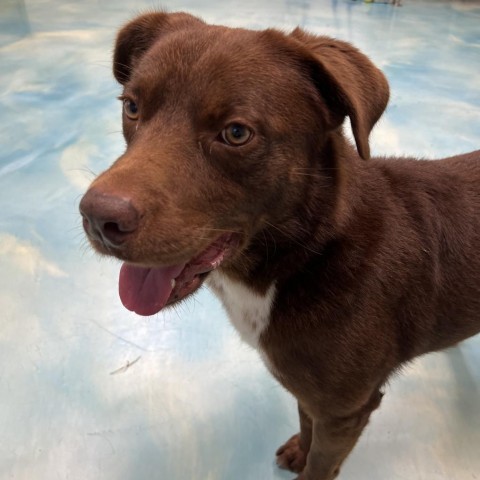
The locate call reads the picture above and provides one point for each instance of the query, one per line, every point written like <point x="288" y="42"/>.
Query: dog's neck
<point x="323" y="217"/>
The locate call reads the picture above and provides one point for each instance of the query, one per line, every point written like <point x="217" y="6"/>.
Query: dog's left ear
<point x="348" y="82"/>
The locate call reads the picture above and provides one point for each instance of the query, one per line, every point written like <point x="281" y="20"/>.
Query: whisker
<point x="266" y="245"/>
<point x="120" y="64"/>
<point x="316" y="169"/>
<point x="220" y="230"/>
<point x="84" y="169"/>
<point x="85" y="250"/>
<point x="176" y="309"/>
<point x="313" y="175"/>
<point x="294" y="240"/>
<point x="106" y="64"/>
<point x="273" y="239"/>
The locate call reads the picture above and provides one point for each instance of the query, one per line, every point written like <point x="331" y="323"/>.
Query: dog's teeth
<point x="173" y="282"/>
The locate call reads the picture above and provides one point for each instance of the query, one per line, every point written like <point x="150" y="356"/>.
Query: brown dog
<point x="337" y="268"/>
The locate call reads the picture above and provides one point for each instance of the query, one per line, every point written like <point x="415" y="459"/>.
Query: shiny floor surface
<point x="91" y="391"/>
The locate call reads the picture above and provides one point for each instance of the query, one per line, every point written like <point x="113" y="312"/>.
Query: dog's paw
<point x="290" y="456"/>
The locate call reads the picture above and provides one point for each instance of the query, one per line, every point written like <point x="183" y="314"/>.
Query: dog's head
<point x="219" y="124"/>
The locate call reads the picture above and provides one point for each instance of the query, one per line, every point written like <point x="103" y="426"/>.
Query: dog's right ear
<point x="137" y="36"/>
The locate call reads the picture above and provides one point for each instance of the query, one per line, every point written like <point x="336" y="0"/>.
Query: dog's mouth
<point x="146" y="291"/>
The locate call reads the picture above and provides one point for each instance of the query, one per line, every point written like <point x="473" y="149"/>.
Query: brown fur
<point x="375" y="261"/>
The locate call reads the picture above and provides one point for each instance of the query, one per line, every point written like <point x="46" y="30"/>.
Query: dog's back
<point x="434" y="218"/>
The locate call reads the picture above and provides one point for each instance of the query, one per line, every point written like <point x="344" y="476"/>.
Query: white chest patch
<point x="249" y="312"/>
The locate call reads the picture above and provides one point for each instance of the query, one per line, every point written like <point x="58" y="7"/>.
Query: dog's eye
<point x="130" y="108"/>
<point x="236" y="134"/>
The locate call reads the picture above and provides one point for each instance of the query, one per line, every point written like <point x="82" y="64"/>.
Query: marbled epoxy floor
<point x="196" y="404"/>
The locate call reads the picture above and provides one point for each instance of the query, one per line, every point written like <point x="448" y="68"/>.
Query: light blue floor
<point x="197" y="404"/>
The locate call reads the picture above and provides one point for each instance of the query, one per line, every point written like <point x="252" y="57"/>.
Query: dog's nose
<point x="107" y="217"/>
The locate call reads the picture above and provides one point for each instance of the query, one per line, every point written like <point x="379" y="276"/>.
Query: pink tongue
<point x="145" y="291"/>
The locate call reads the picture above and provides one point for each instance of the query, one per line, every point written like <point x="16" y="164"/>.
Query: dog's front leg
<point x="293" y="454"/>
<point x="333" y="438"/>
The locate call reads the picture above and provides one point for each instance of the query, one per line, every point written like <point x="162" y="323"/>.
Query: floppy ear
<point x="137" y="36"/>
<point x="349" y="83"/>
